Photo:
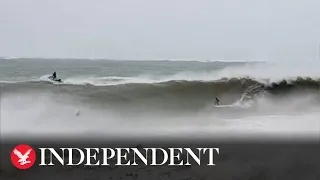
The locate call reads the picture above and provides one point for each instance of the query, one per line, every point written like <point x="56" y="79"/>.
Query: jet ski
<point x="54" y="77"/>
<point x="57" y="80"/>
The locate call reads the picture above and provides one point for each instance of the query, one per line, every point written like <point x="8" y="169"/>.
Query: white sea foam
<point x="40" y="115"/>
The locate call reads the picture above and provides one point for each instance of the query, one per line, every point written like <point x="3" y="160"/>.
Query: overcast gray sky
<point x="161" y="29"/>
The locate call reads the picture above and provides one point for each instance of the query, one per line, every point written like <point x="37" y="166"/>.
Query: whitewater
<point x="106" y="98"/>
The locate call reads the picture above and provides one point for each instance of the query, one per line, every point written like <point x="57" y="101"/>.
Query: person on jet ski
<point x="54" y="77"/>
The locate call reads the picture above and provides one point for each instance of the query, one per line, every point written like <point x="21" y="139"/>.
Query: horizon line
<point x="107" y="59"/>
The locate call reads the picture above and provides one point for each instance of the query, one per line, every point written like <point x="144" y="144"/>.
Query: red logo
<point x="23" y="156"/>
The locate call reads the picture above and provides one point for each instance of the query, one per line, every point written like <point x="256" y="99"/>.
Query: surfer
<point x="217" y="101"/>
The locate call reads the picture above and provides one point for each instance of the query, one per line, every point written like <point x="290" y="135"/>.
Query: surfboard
<point x="222" y="106"/>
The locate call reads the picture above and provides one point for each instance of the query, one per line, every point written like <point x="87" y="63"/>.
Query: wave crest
<point x="183" y="94"/>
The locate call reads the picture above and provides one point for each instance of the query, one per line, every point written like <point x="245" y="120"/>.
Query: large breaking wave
<point x="251" y="100"/>
<point x="182" y="94"/>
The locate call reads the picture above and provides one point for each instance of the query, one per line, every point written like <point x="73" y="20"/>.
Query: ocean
<point x="125" y="98"/>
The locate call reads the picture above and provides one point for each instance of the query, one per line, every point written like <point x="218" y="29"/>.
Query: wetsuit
<point x="217" y="101"/>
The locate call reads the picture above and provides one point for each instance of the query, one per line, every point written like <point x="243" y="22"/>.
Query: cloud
<point x="167" y="29"/>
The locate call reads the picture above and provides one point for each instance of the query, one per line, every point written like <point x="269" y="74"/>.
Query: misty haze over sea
<point x="171" y="60"/>
<point x="241" y="76"/>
